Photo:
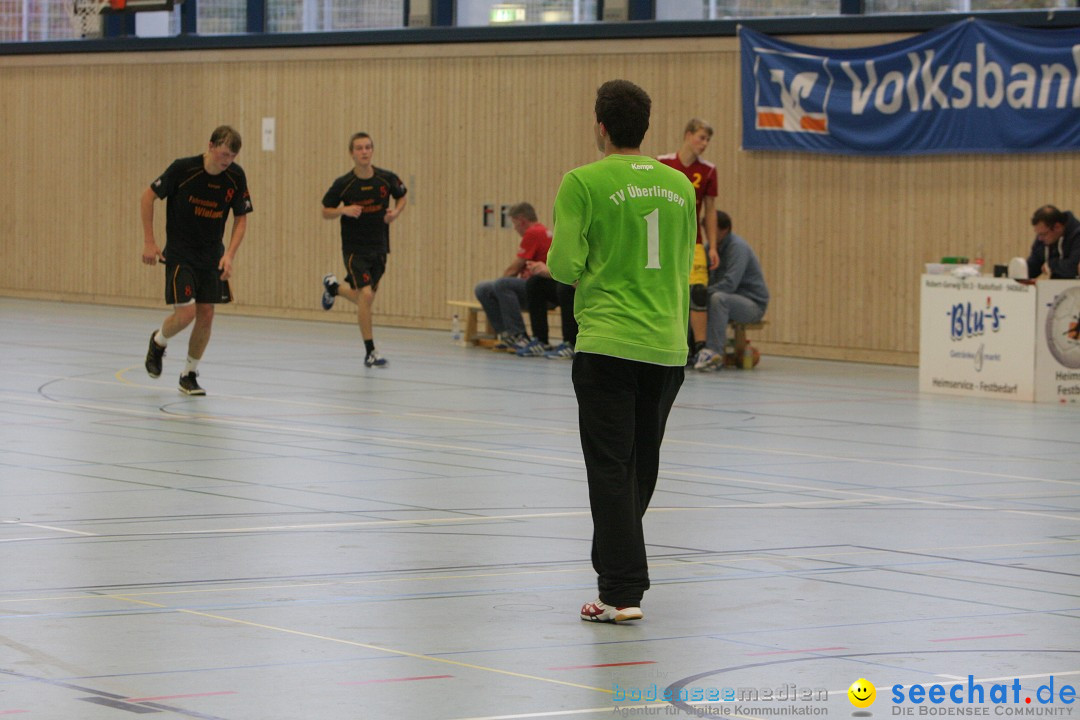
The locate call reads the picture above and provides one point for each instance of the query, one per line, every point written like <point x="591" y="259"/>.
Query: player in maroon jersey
<point x="702" y="175"/>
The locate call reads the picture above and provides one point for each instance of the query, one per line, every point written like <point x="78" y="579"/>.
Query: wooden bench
<point x="469" y="332"/>
<point x="740" y="334"/>
<point x="740" y="337"/>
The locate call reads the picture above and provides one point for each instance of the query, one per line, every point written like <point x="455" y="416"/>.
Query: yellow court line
<point x="48" y="527"/>
<point x="377" y="648"/>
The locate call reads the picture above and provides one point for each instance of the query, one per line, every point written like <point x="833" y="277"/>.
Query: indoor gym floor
<point x="314" y="540"/>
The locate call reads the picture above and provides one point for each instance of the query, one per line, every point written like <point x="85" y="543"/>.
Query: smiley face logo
<point x="862" y="693"/>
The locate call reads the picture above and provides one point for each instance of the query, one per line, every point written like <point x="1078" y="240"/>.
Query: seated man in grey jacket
<point x="736" y="293"/>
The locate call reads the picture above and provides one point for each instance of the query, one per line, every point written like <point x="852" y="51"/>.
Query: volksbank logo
<point x="791" y="91"/>
<point x="926" y="84"/>
<point x="969" y="86"/>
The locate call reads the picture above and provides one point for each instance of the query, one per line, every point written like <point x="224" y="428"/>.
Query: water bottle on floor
<point x="455" y="329"/>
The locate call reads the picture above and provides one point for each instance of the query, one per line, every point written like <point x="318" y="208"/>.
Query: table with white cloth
<point x="999" y="338"/>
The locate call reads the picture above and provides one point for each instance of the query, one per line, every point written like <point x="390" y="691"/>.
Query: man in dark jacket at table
<point x="1055" y="253"/>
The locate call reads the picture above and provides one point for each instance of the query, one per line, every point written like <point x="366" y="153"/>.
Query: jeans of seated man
<point x="502" y="300"/>
<point x="727" y="308"/>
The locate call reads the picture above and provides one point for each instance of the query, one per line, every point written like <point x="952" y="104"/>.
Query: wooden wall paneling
<point x="842" y="240"/>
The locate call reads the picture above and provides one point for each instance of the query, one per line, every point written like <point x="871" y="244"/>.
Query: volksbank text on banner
<point x="972" y="86"/>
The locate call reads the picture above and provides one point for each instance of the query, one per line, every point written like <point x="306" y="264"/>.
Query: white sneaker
<point x="708" y="361"/>
<point x="597" y="611"/>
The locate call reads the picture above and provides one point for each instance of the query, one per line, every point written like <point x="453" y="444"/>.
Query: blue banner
<point x="972" y="86"/>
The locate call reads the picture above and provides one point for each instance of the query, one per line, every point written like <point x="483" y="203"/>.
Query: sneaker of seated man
<point x="544" y="294"/>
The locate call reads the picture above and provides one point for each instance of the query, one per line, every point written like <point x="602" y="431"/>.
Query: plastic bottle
<point x="455" y="329"/>
<point x="978" y="262"/>
<point x="747" y="357"/>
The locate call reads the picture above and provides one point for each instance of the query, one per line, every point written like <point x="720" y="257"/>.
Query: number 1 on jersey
<point x="652" y="228"/>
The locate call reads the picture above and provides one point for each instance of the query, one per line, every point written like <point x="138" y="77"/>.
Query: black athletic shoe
<point x="330" y="291"/>
<point x="692" y="356"/>
<point x="154" y="353"/>
<point x="190" y="386"/>
<point x="373" y="359"/>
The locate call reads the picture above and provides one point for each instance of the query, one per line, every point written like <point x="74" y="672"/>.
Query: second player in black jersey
<point x="367" y="199"/>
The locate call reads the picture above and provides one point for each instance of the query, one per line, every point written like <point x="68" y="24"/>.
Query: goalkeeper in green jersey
<point x="625" y="228"/>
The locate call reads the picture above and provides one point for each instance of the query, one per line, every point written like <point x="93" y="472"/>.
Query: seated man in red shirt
<point x="503" y="297"/>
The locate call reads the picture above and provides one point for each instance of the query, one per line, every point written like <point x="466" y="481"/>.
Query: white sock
<point x="160" y="340"/>
<point x="191" y="364"/>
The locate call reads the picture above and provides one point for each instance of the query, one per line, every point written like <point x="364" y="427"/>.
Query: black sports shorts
<point x="185" y="284"/>
<point x="364" y="269"/>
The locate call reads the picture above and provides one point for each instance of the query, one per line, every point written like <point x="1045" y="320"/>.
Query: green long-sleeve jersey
<point x="625" y="228"/>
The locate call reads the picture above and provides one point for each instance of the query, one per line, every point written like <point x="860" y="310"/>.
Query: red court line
<point x="978" y="637"/>
<point x="392" y="680"/>
<point x="793" y="652"/>
<point x="175" y="697"/>
<point x="586" y="667"/>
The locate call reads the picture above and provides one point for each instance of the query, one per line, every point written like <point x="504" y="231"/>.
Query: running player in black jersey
<point x="361" y="198"/>
<point x="200" y="191"/>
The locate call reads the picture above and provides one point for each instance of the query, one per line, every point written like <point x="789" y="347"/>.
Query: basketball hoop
<point x="86" y="17"/>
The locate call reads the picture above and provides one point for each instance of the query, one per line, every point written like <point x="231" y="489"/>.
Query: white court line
<point x="865" y="495"/>
<point x="712" y="558"/>
<point x="48" y="527"/>
<point x="1012" y="677"/>
<point x="572" y="431"/>
<point x="864" y="461"/>
<point x="317" y="432"/>
<point x="576" y="461"/>
<point x="554" y="713"/>
<point x="613" y="709"/>
<point x="476" y="518"/>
